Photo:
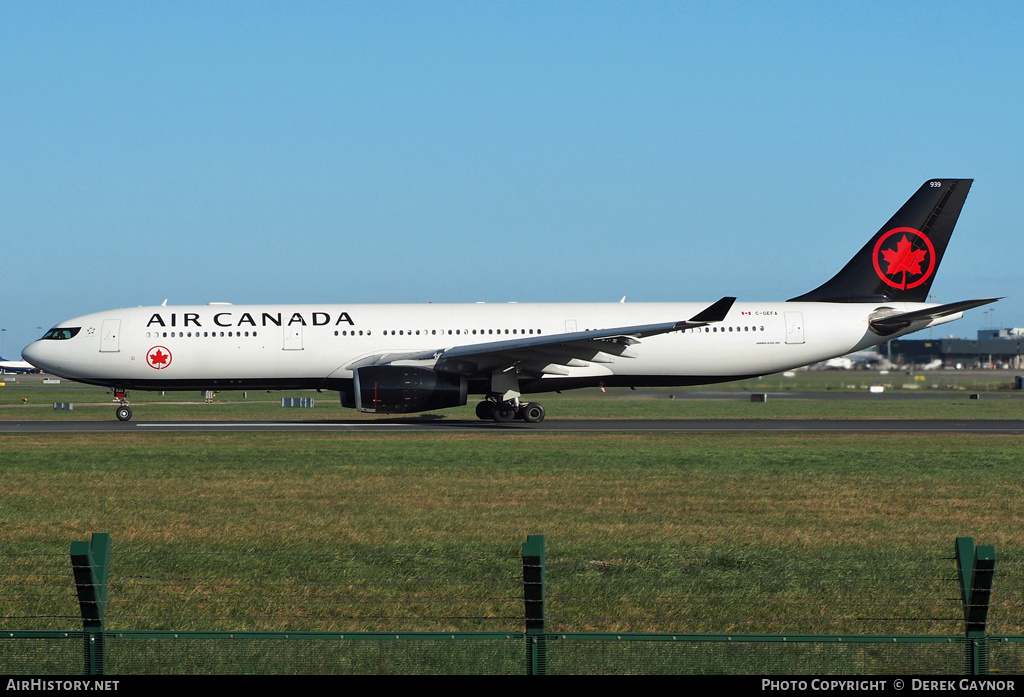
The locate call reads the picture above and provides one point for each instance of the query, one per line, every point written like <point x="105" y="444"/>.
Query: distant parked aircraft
<point x="858" y="359"/>
<point x="7" y="366"/>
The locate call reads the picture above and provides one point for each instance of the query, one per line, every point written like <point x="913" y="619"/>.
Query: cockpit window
<point x="61" y="333"/>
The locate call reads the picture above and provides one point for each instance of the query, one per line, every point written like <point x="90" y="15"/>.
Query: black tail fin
<point x="900" y="261"/>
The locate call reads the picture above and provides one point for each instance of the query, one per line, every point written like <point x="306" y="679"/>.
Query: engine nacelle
<point x="395" y="389"/>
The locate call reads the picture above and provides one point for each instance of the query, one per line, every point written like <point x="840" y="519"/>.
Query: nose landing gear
<point x="124" y="412"/>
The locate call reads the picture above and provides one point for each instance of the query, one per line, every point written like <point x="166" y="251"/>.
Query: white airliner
<point x="7" y="366"/>
<point x="411" y="358"/>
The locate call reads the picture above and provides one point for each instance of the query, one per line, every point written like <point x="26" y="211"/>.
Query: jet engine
<point x="395" y="389"/>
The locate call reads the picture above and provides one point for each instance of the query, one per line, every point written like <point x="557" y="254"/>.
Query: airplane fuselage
<point x="318" y="346"/>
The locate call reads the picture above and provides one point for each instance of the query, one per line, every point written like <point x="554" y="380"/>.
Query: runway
<point x="990" y="426"/>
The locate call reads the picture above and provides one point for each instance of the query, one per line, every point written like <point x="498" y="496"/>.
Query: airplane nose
<point x="35" y="353"/>
<point x="27" y="352"/>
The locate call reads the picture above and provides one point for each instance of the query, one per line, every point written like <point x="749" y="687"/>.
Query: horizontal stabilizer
<point x="887" y="324"/>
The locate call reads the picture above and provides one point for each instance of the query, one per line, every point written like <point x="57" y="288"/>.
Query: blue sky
<point x="335" y="152"/>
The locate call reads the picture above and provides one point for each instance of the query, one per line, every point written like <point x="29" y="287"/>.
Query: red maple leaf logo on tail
<point x="904" y="259"/>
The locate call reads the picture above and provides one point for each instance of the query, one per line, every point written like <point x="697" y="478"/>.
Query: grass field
<point x="671" y="532"/>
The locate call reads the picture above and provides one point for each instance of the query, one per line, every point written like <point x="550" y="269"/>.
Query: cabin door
<point x="794" y="327"/>
<point x="110" y="339"/>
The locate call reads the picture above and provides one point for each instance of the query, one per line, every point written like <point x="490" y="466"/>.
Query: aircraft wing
<point x="890" y="323"/>
<point x="552" y="353"/>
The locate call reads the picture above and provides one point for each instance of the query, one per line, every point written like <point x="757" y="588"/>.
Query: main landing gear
<point x="124" y="412"/>
<point x="503" y="412"/>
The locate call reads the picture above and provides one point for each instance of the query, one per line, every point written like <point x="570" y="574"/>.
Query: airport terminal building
<point x="994" y="348"/>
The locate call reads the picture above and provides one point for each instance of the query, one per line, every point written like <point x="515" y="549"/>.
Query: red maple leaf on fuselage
<point x="904" y="259"/>
<point x="158" y="357"/>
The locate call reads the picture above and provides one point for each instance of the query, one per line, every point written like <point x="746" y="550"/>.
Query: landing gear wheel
<point x="124" y="413"/>
<point x="532" y="413"/>
<point x="485" y="410"/>
<point x="504" y="412"/>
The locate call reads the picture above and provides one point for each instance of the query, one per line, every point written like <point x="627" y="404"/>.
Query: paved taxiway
<point x="991" y="426"/>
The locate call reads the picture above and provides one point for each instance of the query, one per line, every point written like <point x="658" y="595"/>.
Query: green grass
<point x="671" y="532"/>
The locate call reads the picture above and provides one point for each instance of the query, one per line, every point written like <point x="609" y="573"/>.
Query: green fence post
<point x="533" y="600"/>
<point x="90" y="562"/>
<point x="977" y="567"/>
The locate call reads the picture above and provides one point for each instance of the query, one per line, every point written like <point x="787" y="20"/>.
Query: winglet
<point x="714" y="313"/>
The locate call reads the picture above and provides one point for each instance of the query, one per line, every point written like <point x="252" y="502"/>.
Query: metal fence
<point x="432" y="612"/>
